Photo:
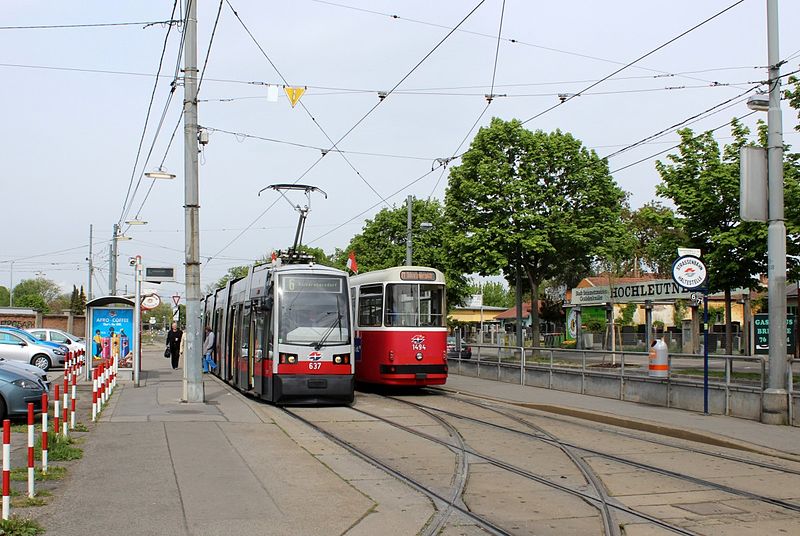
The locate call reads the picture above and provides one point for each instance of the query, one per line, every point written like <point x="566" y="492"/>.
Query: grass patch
<point x="23" y="428"/>
<point x="54" y="472"/>
<point x="20" y="526"/>
<point x="59" y="449"/>
<point x="80" y="427"/>
<point x="29" y="502"/>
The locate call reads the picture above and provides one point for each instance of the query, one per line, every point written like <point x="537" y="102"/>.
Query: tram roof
<point x="399" y="274"/>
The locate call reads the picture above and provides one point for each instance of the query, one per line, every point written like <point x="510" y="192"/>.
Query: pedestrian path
<point x="715" y="429"/>
<point x="154" y="466"/>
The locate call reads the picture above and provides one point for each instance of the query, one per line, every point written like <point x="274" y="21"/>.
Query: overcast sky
<point x="70" y="135"/>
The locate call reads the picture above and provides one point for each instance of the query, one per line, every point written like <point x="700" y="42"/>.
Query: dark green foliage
<point x="382" y="244"/>
<point x="536" y="202"/>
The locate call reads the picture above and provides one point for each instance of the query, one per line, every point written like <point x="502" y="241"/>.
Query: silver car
<point x="16" y="347"/>
<point x="25" y="367"/>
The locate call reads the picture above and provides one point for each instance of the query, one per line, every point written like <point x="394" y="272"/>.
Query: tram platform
<point x="782" y="441"/>
<point x="154" y="465"/>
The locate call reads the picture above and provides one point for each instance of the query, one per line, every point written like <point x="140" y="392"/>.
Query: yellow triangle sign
<point x="294" y="94"/>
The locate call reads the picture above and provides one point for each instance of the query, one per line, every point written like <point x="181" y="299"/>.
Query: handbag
<point x="167" y="352"/>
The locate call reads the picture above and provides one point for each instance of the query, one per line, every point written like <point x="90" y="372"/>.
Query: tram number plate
<point x="314" y="365"/>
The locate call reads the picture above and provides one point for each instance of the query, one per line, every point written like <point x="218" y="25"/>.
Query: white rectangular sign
<point x="657" y="289"/>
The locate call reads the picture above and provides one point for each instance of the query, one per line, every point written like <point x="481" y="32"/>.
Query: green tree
<point x="82" y="301"/>
<point x="5" y="297"/>
<point x="495" y="294"/>
<point x="703" y="182"/>
<point x="530" y="201"/>
<point x="29" y="291"/>
<point x="162" y="314"/>
<point x="382" y="244"/>
<point x="234" y="272"/>
<point x="658" y="233"/>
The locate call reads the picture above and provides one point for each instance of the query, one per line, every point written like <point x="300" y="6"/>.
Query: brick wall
<point x="75" y="324"/>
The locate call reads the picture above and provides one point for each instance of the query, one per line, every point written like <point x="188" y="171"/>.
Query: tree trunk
<point x="728" y="323"/>
<point x="534" y="310"/>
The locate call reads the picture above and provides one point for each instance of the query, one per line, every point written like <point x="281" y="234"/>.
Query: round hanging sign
<point x="689" y="272"/>
<point x="151" y="301"/>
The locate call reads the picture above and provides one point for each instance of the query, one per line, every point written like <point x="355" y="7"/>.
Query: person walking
<point x="208" y="350"/>
<point x="174" y="338"/>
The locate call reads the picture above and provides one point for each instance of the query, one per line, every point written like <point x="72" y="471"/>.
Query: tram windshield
<point x="414" y="305"/>
<point x="313" y="310"/>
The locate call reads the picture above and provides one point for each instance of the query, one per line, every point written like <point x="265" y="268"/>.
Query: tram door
<point x="233" y="342"/>
<point x="243" y="381"/>
<point x="262" y="362"/>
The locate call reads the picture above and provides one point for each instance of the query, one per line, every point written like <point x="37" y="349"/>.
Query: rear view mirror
<point x="23" y="343"/>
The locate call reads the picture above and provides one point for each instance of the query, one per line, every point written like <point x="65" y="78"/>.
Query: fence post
<point x="622" y="377"/>
<point x="550" y="374"/>
<point x="522" y="368"/>
<point x="583" y="372"/>
<point x="728" y="367"/>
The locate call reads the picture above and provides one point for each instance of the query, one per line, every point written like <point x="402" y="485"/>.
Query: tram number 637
<point x="314" y="366"/>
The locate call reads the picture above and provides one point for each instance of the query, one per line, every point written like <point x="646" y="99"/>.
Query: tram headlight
<point x="337" y="359"/>
<point x="419" y="356"/>
<point x="287" y="358"/>
<point x="341" y="359"/>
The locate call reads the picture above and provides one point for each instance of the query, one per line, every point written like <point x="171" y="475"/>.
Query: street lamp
<point x="135" y="222"/>
<point x="160" y="174"/>
<point x="424" y="226"/>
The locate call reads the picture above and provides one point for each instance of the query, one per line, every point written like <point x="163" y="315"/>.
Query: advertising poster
<point x="112" y="335"/>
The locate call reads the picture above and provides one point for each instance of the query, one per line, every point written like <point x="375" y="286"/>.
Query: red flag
<point x="274" y="257"/>
<point x="351" y="262"/>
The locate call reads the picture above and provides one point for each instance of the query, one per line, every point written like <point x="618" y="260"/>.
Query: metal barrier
<point x="626" y="366"/>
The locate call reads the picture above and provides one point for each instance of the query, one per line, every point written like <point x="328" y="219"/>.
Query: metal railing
<point x="727" y="372"/>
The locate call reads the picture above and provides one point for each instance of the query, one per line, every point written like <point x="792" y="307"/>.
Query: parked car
<point x="73" y="342"/>
<point x="452" y="353"/>
<point x="26" y="367"/>
<point x="17" y="389"/>
<point x="19" y="345"/>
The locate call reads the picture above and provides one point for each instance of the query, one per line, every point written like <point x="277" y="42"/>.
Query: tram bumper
<point x="314" y="389"/>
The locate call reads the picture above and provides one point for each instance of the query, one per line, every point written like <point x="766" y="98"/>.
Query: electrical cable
<point x="678" y="145"/>
<point x="308" y="112"/>
<point x="629" y="64"/>
<point x="509" y="40"/>
<point x="147" y="116"/>
<point x="144" y="24"/>
<point x="497" y="48"/>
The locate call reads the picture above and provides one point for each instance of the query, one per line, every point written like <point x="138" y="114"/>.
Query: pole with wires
<point x="192" y="377"/>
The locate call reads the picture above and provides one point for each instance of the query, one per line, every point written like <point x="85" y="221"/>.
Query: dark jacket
<point x="174" y="340"/>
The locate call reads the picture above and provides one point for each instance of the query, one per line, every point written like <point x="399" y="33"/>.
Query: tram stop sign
<point x="689" y="272"/>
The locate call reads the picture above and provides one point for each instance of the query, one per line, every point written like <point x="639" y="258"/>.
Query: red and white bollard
<point x="56" y="411"/>
<point x="6" y="469"/>
<point x="45" y="409"/>
<point x="74" y="396"/>
<point x="65" y="409"/>
<point x="94" y="395"/>
<point x="30" y="450"/>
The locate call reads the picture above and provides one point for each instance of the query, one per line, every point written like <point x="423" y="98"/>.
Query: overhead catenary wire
<point x="335" y="145"/>
<point x="633" y="62"/>
<point x="507" y="39"/>
<point x="147" y="117"/>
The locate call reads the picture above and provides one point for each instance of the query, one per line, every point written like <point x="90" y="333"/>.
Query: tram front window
<point x="313" y="311"/>
<point x="414" y="305"/>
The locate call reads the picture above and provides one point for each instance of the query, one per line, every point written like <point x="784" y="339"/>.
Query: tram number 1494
<point x="314" y="365"/>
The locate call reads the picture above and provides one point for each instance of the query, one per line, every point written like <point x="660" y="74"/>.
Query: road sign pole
<point x="705" y="351"/>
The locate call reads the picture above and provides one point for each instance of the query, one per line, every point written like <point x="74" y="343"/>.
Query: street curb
<point x="640" y="425"/>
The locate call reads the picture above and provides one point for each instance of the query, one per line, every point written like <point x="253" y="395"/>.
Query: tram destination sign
<point x="291" y="283"/>
<point x="655" y="290"/>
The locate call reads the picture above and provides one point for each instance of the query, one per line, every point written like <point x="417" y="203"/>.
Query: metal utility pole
<point x="192" y="376"/>
<point x="137" y="321"/>
<point x="91" y="266"/>
<point x="775" y="401"/>
<point x="11" y="287"/>
<point x="409" y="203"/>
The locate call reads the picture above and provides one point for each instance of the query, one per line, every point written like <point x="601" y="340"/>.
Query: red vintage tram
<point x="282" y="333"/>
<point x="401" y="326"/>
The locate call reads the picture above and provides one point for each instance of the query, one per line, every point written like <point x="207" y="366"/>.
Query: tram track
<point x="436" y="497"/>
<point x="614" y="458"/>
<point x="590" y="498"/>
<point x="671" y="444"/>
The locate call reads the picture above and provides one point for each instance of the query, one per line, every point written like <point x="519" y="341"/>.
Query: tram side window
<point x="401" y="305"/>
<point x="370" y="305"/>
<point x="431" y="305"/>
